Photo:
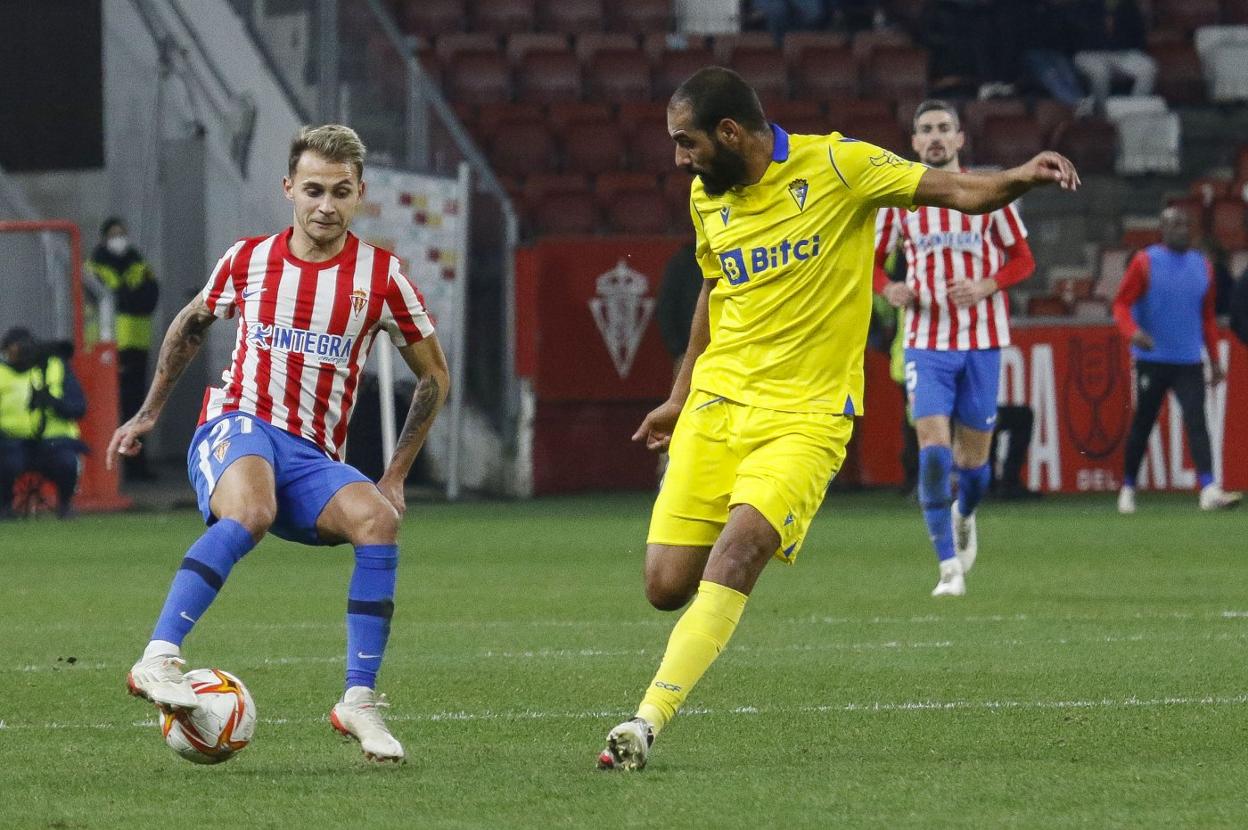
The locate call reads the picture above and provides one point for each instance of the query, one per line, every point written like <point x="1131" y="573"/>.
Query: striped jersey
<point x="942" y="247"/>
<point x="305" y="330"/>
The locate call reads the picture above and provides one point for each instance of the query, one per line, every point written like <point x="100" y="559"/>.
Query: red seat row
<point x="433" y="17"/>
<point x="633" y="203"/>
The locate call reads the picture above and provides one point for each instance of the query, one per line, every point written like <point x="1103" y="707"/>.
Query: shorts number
<point x="912" y="376"/>
<point x="222" y="428"/>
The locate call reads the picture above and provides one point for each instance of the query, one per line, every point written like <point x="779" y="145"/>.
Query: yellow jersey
<point x="792" y="256"/>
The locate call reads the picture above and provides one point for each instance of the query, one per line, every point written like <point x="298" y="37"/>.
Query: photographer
<point x="40" y="402"/>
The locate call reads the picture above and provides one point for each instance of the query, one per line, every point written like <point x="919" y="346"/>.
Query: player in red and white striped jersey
<point x="310" y="302"/>
<point x="956" y="321"/>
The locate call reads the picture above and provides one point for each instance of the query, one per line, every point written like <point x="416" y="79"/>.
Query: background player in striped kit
<point x="310" y="300"/>
<point x="957" y="319"/>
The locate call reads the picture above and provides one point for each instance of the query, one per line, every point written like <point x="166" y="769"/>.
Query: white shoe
<point x="1126" y="500"/>
<point x="357" y="716"/>
<point x="1213" y="497"/>
<point x="965" y="538"/>
<point x="952" y="583"/>
<point x="627" y="745"/>
<point x="159" y="679"/>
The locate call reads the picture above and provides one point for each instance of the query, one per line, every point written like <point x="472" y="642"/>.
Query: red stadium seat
<point x="546" y="77"/>
<point x="797" y="44"/>
<point x="1179" y="76"/>
<point x="1229" y="223"/>
<point x="433" y="17"/>
<point x="764" y="70"/>
<point x="505" y="16"/>
<point x="450" y="46"/>
<point x="566" y="213"/>
<point x="676" y="191"/>
<point x="866" y="43"/>
<point x="1047" y="305"/>
<point x="479" y="78"/>
<point x="975" y="113"/>
<point x="563" y="114"/>
<point x="641" y="16"/>
<point x="518" y="149"/>
<point x="1208" y="189"/>
<point x="1109" y="275"/>
<point x="1186" y="15"/>
<point x="593" y="148"/>
<point x="618" y="76"/>
<point x="539" y="186"/>
<point x="726" y="46"/>
<point x="843" y="113"/>
<point x="638" y="212"/>
<point x="637" y="112"/>
<point x="895" y="72"/>
<point x="1235" y="12"/>
<point x="650" y="148"/>
<point x="800" y="117"/>
<point x="823" y="73"/>
<point x="654" y="44"/>
<point x="1139" y="232"/>
<point x="609" y="185"/>
<point x="520" y="45"/>
<point x="589" y="44"/>
<point x="489" y="116"/>
<point x="1009" y="140"/>
<point x="572" y="16"/>
<point x="675" y="67"/>
<point x="1091" y="143"/>
<point x="1052" y="117"/>
<point x="882" y="132"/>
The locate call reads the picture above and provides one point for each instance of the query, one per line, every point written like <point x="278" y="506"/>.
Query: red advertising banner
<point x="1078" y="382"/>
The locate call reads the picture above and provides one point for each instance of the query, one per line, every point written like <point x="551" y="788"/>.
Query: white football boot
<point x="358" y="716"/>
<point x="952" y="582"/>
<point x="158" y="678"/>
<point x="1126" y="500"/>
<point x="1213" y="497"/>
<point x="965" y="538"/>
<point x="627" y="745"/>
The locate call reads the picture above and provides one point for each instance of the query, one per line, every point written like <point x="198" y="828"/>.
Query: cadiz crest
<point x="621" y="311"/>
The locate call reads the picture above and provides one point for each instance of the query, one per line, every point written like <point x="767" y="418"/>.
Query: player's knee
<point x="379" y="524"/>
<point x="256" y="517"/>
<point x="667" y="594"/>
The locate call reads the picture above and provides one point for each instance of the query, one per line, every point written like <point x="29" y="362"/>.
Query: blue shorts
<point x="306" y="478"/>
<point x="959" y="385"/>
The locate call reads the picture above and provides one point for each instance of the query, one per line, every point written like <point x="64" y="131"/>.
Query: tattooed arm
<point x="427" y="362"/>
<point x="182" y="342"/>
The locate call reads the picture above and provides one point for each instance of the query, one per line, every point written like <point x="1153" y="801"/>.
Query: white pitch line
<point x="582" y="653"/>
<point x="871" y="707"/>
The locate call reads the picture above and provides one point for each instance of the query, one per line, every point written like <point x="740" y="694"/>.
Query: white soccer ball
<point x="221" y="727"/>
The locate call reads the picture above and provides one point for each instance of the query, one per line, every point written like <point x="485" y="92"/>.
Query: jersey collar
<point x="780" y="152"/>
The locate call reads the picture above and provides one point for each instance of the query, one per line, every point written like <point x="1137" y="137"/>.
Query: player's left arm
<point x="433" y="382"/>
<point x="986" y="192"/>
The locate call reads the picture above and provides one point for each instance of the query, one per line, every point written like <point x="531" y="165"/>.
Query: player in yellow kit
<point x="764" y="402"/>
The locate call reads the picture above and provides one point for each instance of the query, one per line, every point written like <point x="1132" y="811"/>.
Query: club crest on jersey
<point x="723" y="214"/>
<point x="220" y="450"/>
<point x="326" y="348"/>
<point x="798" y="189"/>
<point x="358" y="298"/>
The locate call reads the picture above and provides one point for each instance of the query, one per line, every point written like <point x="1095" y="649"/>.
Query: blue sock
<point x="1128" y="481"/>
<point x="972" y="484"/>
<point x="200" y="577"/>
<point x="370" y="605"/>
<point x="1203" y="480"/>
<point x="935" y="463"/>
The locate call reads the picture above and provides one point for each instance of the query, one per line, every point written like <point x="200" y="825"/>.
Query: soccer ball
<point x="222" y="725"/>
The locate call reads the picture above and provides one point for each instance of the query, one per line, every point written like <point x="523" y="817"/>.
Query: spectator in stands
<point x="1165" y="308"/>
<point x="1016" y="421"/>
<point x="781" y="16"/>
<point x="40" y="403"/>
<point x="975" y="44"/>
<point x="119" y="266"/>
<point x="1049" y="41"/>
<point x="1114" y="48"/>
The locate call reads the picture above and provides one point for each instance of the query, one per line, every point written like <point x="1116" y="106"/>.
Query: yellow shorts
<point x="725" y="453"/>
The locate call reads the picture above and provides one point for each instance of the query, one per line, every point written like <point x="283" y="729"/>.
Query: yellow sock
<point x="699" y="636"/>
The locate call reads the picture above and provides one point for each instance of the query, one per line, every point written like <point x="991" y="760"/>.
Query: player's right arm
<point x="181" y="344"/>
<point x="656" y="429"/>
<point x="986" y="192"/>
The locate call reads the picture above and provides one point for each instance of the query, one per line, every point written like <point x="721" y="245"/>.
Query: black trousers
<point x="54" y="458"/>
<point x="132" y="388"/>
<point x="1018" y="421"/>
<point x="1152" y="382"/>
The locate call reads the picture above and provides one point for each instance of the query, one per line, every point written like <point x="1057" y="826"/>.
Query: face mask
<point x="117" y="245"/>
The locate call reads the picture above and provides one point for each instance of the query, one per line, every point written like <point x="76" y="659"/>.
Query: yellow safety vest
<point x="17" y="419"/>
<point x="133" y="331"/>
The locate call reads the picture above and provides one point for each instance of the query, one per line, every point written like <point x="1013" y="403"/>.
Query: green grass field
<point x="1095" y="676"/>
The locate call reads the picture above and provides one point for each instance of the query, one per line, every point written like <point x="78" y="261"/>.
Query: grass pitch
<point x="1095" y="676"/>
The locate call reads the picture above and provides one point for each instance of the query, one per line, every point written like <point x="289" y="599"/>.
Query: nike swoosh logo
<point x="253" y="292"/>
<point x="364" y="656"/>
<point x="187" y="617"/>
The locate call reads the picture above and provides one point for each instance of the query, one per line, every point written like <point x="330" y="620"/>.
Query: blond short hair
<point x="332" y="141"/>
